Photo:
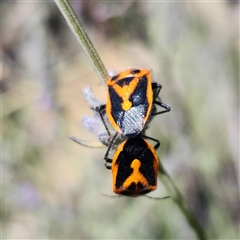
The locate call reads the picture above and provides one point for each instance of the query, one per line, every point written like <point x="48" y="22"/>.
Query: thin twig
<point x="83" y="38"/>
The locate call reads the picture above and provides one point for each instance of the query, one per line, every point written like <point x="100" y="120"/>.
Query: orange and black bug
<point x="131" y="99"/>
<point x="135" y="163"/>
<point x="134" y="166"/>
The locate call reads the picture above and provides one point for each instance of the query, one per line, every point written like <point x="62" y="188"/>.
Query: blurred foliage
<point x="51" y="187"/>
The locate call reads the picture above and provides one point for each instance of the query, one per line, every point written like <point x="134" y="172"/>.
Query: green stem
<point x="180" y="201"/>
<point x="83" y="38"/>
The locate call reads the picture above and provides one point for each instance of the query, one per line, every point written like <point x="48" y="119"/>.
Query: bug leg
<point x="155" y="140"/>
<point x="99" y="108"/>
<point x="156" y="87"/>
<point x="163" y="105"/>
<point x="110" y="146"/>
<point x="102" y="110"/>
<point x="108" y="160"/>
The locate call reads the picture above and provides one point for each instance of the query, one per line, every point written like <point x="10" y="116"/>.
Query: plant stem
<point x="82" y="38"/>
<point x="180" y="201"/>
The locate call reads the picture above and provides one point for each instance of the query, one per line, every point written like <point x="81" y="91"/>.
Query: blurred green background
<point x="51" y="187"/>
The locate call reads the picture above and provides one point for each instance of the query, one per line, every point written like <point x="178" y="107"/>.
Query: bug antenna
<point x="157" y="198"/>
<point x="106" y="195"/>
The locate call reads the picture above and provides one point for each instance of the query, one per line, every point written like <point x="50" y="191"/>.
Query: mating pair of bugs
<point x="132" y="99"/>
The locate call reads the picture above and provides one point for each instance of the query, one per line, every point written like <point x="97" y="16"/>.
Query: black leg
<point x="156" y="87"/>
<point x="106" y="158"/>
<point x="102" y="110"/>
<point x="110" y="146"/>
<point x="99" y="108"/>
<point x="163" y="105"/>
<point x="155" y="140"/>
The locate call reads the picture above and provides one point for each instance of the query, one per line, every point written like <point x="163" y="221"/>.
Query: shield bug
<point x="135" y="163"/>
<point x="131" y="99"/>
<point x="134" y="166"/>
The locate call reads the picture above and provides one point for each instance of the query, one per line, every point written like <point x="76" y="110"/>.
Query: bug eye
<point x="135" y="71"/>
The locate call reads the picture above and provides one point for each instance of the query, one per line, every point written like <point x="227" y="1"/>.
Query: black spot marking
<point x="115" y="77"/>
<point x="132" y="186"/>
<point x="140" y="186"/>
<point x="135" y="71"/>
<point x="124" y="81"/>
